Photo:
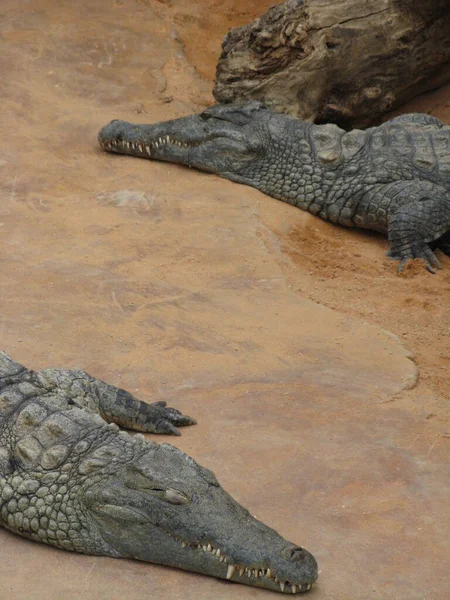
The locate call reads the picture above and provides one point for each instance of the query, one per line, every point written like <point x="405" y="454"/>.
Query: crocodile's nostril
<point x="295" y="553"/>
<point x="298" y="554"/>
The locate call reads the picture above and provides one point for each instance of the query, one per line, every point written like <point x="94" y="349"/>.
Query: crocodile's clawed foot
<point x="424" y="252"/>
<point x="169" y="419"/>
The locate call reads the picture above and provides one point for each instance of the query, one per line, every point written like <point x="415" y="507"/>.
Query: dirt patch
<point x="348" y="271"/>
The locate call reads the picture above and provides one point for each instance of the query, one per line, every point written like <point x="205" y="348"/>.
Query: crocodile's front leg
<point x="121" y="407"/>
<point x="114" y="404"/>
<point x="413" y="213"/>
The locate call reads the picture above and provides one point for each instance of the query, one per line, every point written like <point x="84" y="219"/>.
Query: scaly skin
<point x="394" y="178"/>
<point x="70" y="480"/>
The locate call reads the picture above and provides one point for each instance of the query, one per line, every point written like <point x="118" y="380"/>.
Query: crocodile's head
<point x="165" y="508"/>
<point x="230" y="140"/>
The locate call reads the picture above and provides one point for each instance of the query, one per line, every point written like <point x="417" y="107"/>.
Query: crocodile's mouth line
<point x="242" y="570"/>
<point x="146" y="148"/>
<point x="233" y="569"/>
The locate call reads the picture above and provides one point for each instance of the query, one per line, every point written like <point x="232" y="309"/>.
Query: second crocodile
<point x="394" y="178"/>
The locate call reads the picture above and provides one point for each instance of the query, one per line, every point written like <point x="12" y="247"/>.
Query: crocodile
<point x="71" y="478"/>
<point x="394" y="178"/>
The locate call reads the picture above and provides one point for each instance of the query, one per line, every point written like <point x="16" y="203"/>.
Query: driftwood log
<point x="344" y="61"/>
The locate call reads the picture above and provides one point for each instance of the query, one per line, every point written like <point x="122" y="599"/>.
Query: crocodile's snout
<point x="114" y="130"/>
<point x="303" y="559"/>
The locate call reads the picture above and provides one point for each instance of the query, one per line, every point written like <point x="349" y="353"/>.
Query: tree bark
<point x="341" y="61"/>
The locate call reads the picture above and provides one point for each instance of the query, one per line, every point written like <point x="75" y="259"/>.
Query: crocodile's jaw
<point x="211" y="557"/>
<point x="203" y="141"/>
<point x="200" y="528"/>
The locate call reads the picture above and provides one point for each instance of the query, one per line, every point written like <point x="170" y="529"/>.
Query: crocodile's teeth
<point x="147" y="148"/>
<point x="222" y="558"/>
<point x="269" y="574"/>
<point x="282" y="585"/>
<point x="308" y="586"/>
<point x="231" y="571"/>
<point x="218" y="552"/>
<point x="241" y="571"/>
<point x="294" y="589"/>
<point x="261" y="573"/>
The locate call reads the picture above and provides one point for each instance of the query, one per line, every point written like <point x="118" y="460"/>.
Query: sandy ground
<point x="319" y="377"/>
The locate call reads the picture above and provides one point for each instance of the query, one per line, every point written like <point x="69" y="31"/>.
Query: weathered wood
<point x="344" y="61"/>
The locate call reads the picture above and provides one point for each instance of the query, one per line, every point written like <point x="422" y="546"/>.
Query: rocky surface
<point x="182" y="286"/>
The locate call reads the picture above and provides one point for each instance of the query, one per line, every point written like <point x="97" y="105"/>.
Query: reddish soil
<point x="202" y="25"/>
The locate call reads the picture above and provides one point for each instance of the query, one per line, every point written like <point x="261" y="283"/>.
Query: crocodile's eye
<point x="175" y="496"/>
<point x="137" y="481"/>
